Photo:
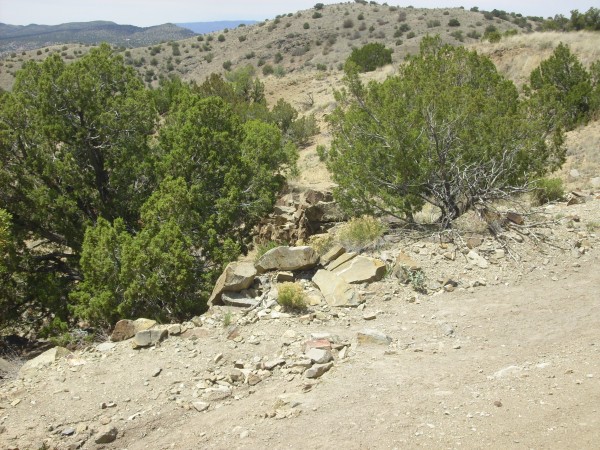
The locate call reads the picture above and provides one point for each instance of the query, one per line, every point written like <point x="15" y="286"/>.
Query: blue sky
<point x="155" y="12"/>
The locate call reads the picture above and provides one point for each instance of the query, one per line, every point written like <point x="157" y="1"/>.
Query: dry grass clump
<point x="291" y="296"/>
<point x="361" y="232"/>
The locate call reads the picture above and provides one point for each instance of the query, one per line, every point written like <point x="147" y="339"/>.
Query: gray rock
<point x="147" y="338"/>
<point x="282" y="277"/>
<point x="318" y="370"/>
<point x="175" y="329"/>
<point x="334" y="253"/>
<point x="45" y="359"/>
<point x="216" y="394"/>
<point x="288" y="258"/>
<point x="574" y="173"/>
<point x="361" y="270"/>
<point x="5" y="366"/>
<point x="270" y="365"/>
<point x="595" y="182"/>
<point x="325" y="212"/>
<point x="238" y="299"/>
<point x="201" y="406"/>
<point x="336" y="291"/>
<point x="319" y="356"/>
<point x="477" y="260"/>
<point x="105" y="346"/>
<point x="106" y="435"/>
<point x="236" y="277"/>
<point x="68" y="431"/>
<point x="370" y="316"/>
<point x="370" y="336"/>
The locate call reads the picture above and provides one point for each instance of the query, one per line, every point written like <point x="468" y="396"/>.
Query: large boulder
<point x="361" y="270"/>
<point x="236" y="277"/>
<point x="43" y="360"/>
<point x="126" y="329"/>
<point x="288" y="258"/>
<point x="336" y="291"/>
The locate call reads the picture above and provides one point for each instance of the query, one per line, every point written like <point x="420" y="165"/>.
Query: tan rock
<point x="45" y="359"/>
<point x="334" y="253"/>
<point x="336" y="291"/>
<point x="236" y="277"/>
<point x="126" y="329"/>
<point x="361" y="270"/>
<point x="288" y="258"/>
<point x="342" y="259"/>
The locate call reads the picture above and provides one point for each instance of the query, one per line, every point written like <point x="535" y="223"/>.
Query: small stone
<point x="318" y="370"/>
<point x="498" y="404"/>
<point x="68" y="431"/>
<point x="370" y="316"/>
<point x="253" y="379"/>
<point x="156" y="372"/>
<point x="370" y="336"/>
<point x="201" y="406"/>
<point x="285" y="276"/>
<point x="270" y="365"/>
<point x="105" y="346"/>
<point x="106" y="435"/>
<point x="218" y="358"/>
<point x="175" y="329"/>
<point x="319" y="356"/>
<point x="317" y="343"/>
<point x="150" y="337"/>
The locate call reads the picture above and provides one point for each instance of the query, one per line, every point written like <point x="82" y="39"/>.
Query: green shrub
<point x="433" y="23"/>
<point x="410" y="35"/>
<point x="278" y="58"/>
<point x="322" y="152"/>
<point x="317" y="15"/>
<point x="221" y="38"/>
<point x="370" y="57"/>
<point x="267" y="69"/>
<point x="453" y="23"/>
<point x="291" y="296"/>
<point x="301" y="130"/>
<point x="360" y="232"/>
<point x="279" y="71"/>
<point x="548" y="190"/>
<point x="306" y="25"/>
<point x="227" y="65"/>
<point x="242" y="38"/>
<point x="348" y="23"/>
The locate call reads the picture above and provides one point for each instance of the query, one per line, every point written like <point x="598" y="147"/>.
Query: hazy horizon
<point x="155" y="12"/>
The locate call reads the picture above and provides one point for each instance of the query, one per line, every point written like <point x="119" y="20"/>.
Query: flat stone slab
<point x="238" y="299"/>
<point x="361" y="270"/>
<point x="370" y="336"/>
<point x="336" y="291"/>
<point x="147" y="338"/>
<point x="126" y="329"/>
<point x="288" y="258"/>
<point x="45" y="359"/>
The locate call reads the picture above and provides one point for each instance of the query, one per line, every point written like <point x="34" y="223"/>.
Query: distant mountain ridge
<point x="209" y="27"/>
<point x="29" y="37"/>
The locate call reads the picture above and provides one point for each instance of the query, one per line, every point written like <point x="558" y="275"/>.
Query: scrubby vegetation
<point x="110" y="210"/>
<point x="426" y="136"/>
<point x="370" y="56"/>
<point x="291" y="296"/>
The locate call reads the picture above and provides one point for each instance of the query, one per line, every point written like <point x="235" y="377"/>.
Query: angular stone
<point x="515" y="218"/>
<point x="106" y="435"/>
<point x="5" y="367"/>
<point x="282" y="277"/>
<point x="474" y="242"/>
<point x="403" y="260"/>
<point x="336" y="291"/>
<point x="318" y="370"/>
<point x="342" y="259"/>
<point x="201" y="406"/>
<point x="216" y="394"/>
<point x="126" y="329"/>
<point x="270" y="365"/>
<point x="175" y="329"/>
<point x="288" y="401"/>
<point x="595" y="182"/>
<point x="478" y="260"/>
<point x="319" y="356"/>
<point x="325" y="212"/>
<point x="150" y="337"/>
<point x="288" y="258"/>
<point x="370" y="336"/>
<point x="45" y="359"/>
<point x="361" y="270"/>
<point x="317" y="343"/>
<point x="236" y="277"/>
<point x="334" y="253"/>
<point x="239" y="299"/>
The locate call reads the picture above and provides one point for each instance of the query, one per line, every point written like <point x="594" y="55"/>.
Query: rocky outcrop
<point x="297" y="216"/>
